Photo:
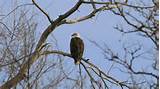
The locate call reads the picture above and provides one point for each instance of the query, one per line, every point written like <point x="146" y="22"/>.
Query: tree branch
<point x="42" y="11"/>
<point x="90" y="15"/>
<point x="22" y="72"/>
<point x="94" y="67"/>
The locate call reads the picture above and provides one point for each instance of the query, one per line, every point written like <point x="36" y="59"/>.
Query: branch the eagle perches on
<point x="21" y="75"/>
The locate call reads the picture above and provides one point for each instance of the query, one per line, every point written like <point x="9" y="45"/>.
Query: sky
<point x="99" y="29"/>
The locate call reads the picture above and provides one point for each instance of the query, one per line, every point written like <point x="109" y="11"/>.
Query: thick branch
<point x="68" y="13"/>
<point x="56" y="52"/>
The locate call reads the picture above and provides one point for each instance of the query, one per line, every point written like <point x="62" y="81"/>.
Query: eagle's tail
<point x="77" y="61"/>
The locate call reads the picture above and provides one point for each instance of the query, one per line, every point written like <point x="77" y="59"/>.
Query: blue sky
<point x="99" y="29"/>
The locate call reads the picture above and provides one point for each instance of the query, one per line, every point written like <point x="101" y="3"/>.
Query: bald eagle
<point x="76" y="47"/>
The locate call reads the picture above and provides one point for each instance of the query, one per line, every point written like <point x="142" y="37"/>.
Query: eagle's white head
<point x="75" y="35"/>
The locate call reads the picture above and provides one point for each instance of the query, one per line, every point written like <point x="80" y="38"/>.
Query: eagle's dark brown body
<point x="77" y="49"/>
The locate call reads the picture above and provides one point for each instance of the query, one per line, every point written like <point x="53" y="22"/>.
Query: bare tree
<point x="24" y="58"/>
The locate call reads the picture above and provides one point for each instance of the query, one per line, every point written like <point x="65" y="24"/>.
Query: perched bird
<point x="76" y="47"/>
